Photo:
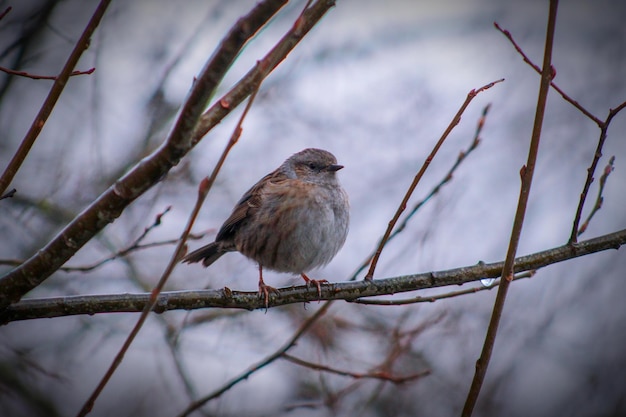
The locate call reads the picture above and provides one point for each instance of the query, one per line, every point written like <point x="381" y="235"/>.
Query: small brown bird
<point x="293" y="220"/>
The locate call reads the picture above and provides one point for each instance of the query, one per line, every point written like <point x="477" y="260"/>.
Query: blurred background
<point x="375" y="83"/>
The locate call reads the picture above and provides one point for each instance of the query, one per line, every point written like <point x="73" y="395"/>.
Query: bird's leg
<point x="317" y="282"/>
<point x="264" y="289"/>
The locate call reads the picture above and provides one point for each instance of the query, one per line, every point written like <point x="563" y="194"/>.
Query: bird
<point x="294" y="219"/>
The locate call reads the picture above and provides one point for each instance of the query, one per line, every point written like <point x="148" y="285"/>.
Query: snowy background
<point x="376" y="83"/>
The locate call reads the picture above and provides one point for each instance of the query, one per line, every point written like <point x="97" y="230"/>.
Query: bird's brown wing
<point x="247" y="205"/>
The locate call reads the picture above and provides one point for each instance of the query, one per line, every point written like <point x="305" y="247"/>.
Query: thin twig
<point x="186" y="133"/>
<point x="259" y="365"/>
<point x="55" y="92"/>
<point x="171" y="339"/>
<point x="44" y="77"/>
<point x="445" y="180"/>
<point x="125" y="252"/>
<point x="536" y="68"/>
<point x="133" y="247"/>
<point x="526" y="174"/>
<point x="151" y="169"/>
<point x="5" y="12"/>
<point x="117" y="255"/>
<point x="455" y="121"/>
<point x="433" y="298"/>
<point x="604" y="126"/>
<point x="203" y="189"/>
<point x="383" y="376"/>
<point x="349" y="290"/>
<point x="600" y="199"/>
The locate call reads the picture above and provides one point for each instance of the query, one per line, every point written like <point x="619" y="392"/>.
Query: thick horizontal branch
<point x="226" y="298"/>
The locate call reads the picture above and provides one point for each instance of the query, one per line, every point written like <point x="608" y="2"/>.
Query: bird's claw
<point x="264" y="291"/>
<point x="317" y="282"/>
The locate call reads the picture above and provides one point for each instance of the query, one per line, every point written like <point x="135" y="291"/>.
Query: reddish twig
<point x="55" y="92"/>
<point x="120" y="254"/>
<point x="135" y="246"/>
<point x="5" y="12"/>
<point x="44" y="77"/>
<point x="261" y="364"/>
<point x="457" y="118"/>
<point x="86" y="408"/>
<point x="183" y="136"/>
<point x="536" y="68"/>
<point x="600" y="199"/>
<point x="526" y="174"/>
<point x="203" y="189"/>
<point x="380" y="375"/>
<point x="446" y="179"/>
<point x="604" y="126"/>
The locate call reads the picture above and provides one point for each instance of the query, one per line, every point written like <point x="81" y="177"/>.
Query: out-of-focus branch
<point x="259" y="365"/>
<point x="203" y="190"/>
<point x="5" y="12"/>
<point x="135" y="247"/>
<point x="181" y="247"/>
<point x="455" y="121"/>
<point x="526" y="174"/>
<point x="305" y="22"/>
<point x="185" y="134"/>
<point x="44" y="77"/>
<point x="226" y="298"/>
<point x="383" y="376"/>
<point x="55" y="92"/>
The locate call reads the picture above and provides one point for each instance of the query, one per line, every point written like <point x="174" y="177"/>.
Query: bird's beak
<point x="334" y="167"/>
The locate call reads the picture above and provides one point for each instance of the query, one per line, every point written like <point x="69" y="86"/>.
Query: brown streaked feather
<point x="247" y="205"/>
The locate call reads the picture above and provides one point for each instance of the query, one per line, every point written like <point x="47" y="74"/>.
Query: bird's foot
<point x="264" y="292"/>
<point x="317" y="282"/>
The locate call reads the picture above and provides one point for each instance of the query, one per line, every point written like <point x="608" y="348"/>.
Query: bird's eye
<point x="312" y="165"/>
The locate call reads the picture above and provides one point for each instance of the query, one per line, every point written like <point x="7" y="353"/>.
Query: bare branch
<point x="106" y="208"/>
<point x="604" y="126"/>
<point x="55" y="92"/>
<point x="526" y="174"/>
<point x="455" y="121"/>
<point x="120" y="254"/>
<point x="536" y="68"/>
<point x="5" y="12"/>
<point x="227" y="298"/>
<point x="383" y="376"/>
<point x="446" y="179"/>
<point x="44" y="77"/>
<point x="259" y="365"/>
<point x="203" y="190"/>
<point x="600" y="199"/>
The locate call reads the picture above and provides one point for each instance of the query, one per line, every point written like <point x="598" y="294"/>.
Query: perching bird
<point x="294" y="219"/>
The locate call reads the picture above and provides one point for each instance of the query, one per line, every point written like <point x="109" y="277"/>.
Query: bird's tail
<point x="207" y="254"/>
